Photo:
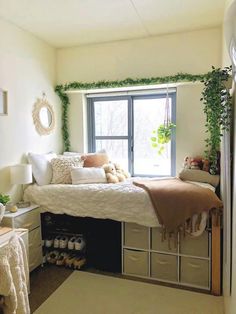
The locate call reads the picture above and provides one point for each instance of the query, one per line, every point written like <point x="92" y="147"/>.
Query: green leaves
<point x="215" y="97"/>
<point x="218" y="109"/>
<point x="163" y="136"/>
<point x="4" y="199"/>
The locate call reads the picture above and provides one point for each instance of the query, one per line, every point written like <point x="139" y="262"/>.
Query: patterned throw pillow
<point x="61" y="168"/>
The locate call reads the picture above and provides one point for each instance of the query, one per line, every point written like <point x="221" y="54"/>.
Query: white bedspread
<point x="122" y="202"/>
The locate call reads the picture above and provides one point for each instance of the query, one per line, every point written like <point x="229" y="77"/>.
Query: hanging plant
<point x="218" y="108"/>
<point x="162" y="136"/>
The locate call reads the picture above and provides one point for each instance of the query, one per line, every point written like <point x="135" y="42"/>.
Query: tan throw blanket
<point x="176" y="201"/>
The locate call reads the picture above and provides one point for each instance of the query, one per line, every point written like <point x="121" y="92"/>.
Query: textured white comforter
<point x="122" y="202"/>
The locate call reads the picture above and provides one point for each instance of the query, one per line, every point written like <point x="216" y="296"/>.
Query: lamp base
<point x="22" y="204"/>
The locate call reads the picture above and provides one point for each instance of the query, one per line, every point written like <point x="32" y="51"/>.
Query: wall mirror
<point x="43" y="116"/>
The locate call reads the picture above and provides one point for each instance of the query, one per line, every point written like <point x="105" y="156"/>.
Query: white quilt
<point x="122" y="202"/>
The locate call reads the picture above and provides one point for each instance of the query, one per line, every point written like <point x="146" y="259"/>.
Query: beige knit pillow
<point x="61" y="168"/>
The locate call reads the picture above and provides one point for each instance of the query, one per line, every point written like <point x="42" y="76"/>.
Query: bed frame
<point x="105" y="243"/>
<point x="216" y="249"/>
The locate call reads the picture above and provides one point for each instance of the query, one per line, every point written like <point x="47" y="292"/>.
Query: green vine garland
<point x="62" y="89"/>
<point x="218" y="108"/>
<point x="216" y="99"/>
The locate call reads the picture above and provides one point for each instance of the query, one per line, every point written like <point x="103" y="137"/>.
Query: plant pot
<point x="2" y="211"/>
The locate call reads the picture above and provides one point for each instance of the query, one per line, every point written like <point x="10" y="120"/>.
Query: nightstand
<point x="28" y="218"/>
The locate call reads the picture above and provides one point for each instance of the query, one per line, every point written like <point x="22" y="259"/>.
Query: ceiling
<point x="66" y="23"/>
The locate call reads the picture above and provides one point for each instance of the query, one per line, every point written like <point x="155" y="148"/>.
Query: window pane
<point x="117" y="150"/>
<point x="148" y="115"/>
<point x="111" y="117"/>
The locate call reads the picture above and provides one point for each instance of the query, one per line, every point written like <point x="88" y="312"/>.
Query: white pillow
<point x="41" y="167"/>
<point x="72" y="154"/>
<point x="88" y="175"/>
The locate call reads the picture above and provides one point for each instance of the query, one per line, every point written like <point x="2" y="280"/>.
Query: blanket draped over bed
<point x="176" y="201"/>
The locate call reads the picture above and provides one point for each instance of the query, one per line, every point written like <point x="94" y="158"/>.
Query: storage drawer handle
<point x="133" y="258"/>
<point x="162" y="262"/>
<point x="136" y="230"/>
<point x="194" y="265"/>
<point x="34" y="245"/>
<point x="27" y="226"/>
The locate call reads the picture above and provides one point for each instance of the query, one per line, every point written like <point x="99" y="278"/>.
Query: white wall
<point x="191" y="52"/>
<point x="27" y="68"/>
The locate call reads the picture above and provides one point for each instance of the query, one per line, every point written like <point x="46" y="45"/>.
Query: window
<point x="123" y="125"/>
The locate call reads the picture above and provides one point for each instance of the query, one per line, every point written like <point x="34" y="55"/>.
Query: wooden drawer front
<point x="136" y="236"/>
<point x="34" y="238"/>
<point x="194" y="271"/>
<point x="25" y="238"/>
<point x="35" y="257"/>
<point x="164" y="267"/>
<point x="158" y="245"/>
<point x="195" y="246"/>
<point x="30" y="220"/>
<point x="135" y="262"/>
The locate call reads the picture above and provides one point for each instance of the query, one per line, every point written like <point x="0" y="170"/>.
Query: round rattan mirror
<point x="43" y="117"/>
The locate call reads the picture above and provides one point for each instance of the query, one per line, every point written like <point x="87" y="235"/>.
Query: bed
<point x="123" y="202"/>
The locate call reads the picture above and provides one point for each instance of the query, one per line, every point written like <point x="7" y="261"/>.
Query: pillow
<point x="61" y="167"/>
<point x="72" y="154"/>
<point x="41" y="167"/>
<point x="88" y="175"/>
<point x="199" y="176"/>
<point x="95" y="159"/>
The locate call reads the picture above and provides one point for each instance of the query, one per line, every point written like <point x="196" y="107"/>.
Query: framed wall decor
<point x="3" y="102"/>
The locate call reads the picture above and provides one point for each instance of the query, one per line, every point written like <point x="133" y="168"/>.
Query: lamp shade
<point x="21" y="174"/>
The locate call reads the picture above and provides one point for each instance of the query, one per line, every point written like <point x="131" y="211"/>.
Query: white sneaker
<point x="63" y="242"/>
<point x="49" y="242"/>
<point x="79" y="243"/>
<point x="56" y="242"/>
<point x="71" y="243"/>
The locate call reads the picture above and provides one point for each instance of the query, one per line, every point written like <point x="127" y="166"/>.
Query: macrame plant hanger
<point x="167" y="109"/>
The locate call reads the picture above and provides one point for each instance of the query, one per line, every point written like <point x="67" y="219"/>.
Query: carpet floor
<point x="43" y="282"/>
<point x="89" y="293"/>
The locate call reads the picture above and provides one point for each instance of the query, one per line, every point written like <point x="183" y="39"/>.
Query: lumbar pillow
<point x="88" y="175"/>
<point x="61" y="168"/>
<point x="199" y="176"/>
<point x="95" y="159"/>
<point x="41" y="167"/>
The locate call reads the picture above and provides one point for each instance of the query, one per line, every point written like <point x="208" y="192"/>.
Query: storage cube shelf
<point x="186" y="262"/>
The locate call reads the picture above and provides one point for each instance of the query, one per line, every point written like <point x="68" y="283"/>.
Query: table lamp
<point x="21" y="174"/>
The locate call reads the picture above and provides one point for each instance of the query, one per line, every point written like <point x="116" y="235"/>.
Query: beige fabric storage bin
<point x="195" y="246"/>
<point x="158" y="245"/>
<point x="135" y="262"/>
<point x="164" y="267"/>
<point x="194" y="271"/>
<point x="136" y="236"/>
